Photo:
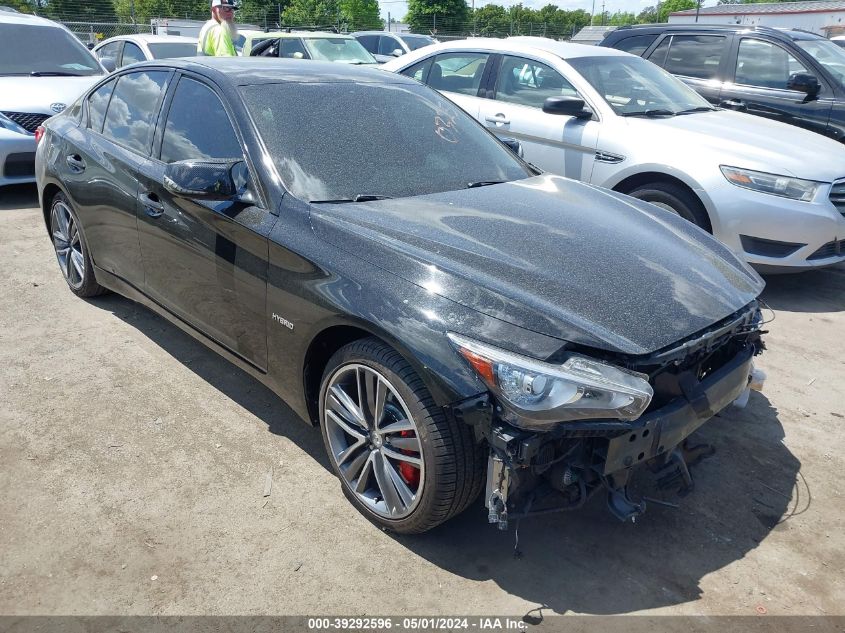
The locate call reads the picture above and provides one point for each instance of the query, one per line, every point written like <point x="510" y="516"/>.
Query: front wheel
<point x="676" y="199"/>
<point x="400" y="460"/>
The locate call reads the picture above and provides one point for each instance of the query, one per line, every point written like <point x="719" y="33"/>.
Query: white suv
<point x="43" y="68"/>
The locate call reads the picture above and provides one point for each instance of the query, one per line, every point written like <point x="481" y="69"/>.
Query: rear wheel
<point x="71" y="250"/>
<point x="676" y="199"/>
<point x="400" y="460"/>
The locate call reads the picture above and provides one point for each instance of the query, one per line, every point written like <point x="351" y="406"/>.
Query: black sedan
<point x="447" y="315"/>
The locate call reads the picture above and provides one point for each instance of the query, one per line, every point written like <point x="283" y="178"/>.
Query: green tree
<point x="73" y="10"/>
<point x="670" y="6"/>
<point x="491" y="20"/>
<point x="621" y="18"/>
<point x="648" y="16"/>
<point x="312" y="13"/>
<point x="361" y="15"/>
<point x="438" y="16"/>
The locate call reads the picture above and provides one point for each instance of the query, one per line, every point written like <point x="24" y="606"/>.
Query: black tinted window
<point x="370" y="42"/>
<point x="133" y="109"/>
<point x="658" y="55"/>
<point x="635" y="45"/>
<point x="97" y="104"/>
<point x="292" y="48"/>
<point x="695" y="55"/>
<point x="375" y="139"/>
<point x="26" y="49"/>
<point x="764" y="64"/>
<point x="386" y="45"/>
<point x="197" y="126"/>
<point x="417" y="41"/>
<point x="132" y="54"/>
<point x="419" y="71"/>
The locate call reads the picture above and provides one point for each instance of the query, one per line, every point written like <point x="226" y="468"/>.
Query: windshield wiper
<point x="53" y="73"/>
<point x="484" y="183"/>
<point x="655" y="112"/>
<point x="361" y="197"/>
<point x="698" y="109"/>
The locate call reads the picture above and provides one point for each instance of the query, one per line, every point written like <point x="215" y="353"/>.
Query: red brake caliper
<point x="409" y="472"/>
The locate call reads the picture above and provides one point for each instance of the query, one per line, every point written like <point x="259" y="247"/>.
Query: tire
<point x="449" y="475"/>
<point x="674" y="198"/>
<point x="71" y="249"/>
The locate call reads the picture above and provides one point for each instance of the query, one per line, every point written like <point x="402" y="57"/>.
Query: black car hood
<point x="555" y="256"/>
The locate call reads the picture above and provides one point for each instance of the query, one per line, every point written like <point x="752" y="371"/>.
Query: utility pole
<point x="388" y="21"/>
<point x="697" y="9"/>
<point x="593" y="13"/>
<point x="602" y="12"/>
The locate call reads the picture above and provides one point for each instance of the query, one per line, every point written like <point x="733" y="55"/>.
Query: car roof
<point x="526" y="44"/>
<point x="13" y="17"/>
<point x="246" y="71"/>
<point x="148" y="38"/>
<point x="794" y="34"/>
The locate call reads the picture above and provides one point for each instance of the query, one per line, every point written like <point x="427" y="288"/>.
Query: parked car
<point x="43" y="67"/>
<point x="839" y="40"/>
<point x="328" y="47"/>
<point x="385" y="45"/>
<point x="790" y="76"/>
<point x="772" y="192"/>
<point x="431" y="321"/>
<point x="240" y="40"/>
<point x="117" y="52"/>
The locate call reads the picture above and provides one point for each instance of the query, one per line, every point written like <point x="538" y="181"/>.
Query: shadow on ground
<point x="18" y="197"/>
<point x="814" y="291"/>
<point x="584" y="561"/>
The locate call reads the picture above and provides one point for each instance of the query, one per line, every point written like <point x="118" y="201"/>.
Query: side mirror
<point x="202" y="179"/>
<point x="804" y="82"/>
<point x="513" y="145"/>
<point x="397" y="52"/>
<point x="109" y="64"/>
<point x="569" y="106"/>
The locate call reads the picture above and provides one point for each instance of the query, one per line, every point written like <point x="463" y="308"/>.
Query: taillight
<point x="39" y="134"/>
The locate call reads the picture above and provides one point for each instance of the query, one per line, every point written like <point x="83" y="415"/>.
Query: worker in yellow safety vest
<point x="218" y="34"/>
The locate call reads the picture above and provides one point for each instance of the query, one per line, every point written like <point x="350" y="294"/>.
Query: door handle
<point x="734" y="104"/>
<point x="500" y="119"/>
<point x="152" y="206"/>
<point x="75" y="162"/>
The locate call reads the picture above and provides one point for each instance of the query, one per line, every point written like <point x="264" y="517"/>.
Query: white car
<point x="120" y="51"/>
<point x="43" y="69"/>
<point x="774" y="193"/>
<point x="384" y="45"/>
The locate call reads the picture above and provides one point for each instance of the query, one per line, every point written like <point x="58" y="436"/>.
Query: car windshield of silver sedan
<point x="417" y="41"/>
<point x="633" y="86"/>
<point x="352" y="142"/>
<point x="43" y="51"/>
<point x="338" y="49"/>
<point x="168" y="50"/>
<point x="829" y="55"/>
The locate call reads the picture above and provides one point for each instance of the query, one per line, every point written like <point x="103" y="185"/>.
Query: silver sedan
<point x="773" y="192"/>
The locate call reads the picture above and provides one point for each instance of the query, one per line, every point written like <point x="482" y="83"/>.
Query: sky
<point x="398" y="8"/>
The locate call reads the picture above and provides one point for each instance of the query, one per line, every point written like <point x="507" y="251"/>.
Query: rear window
<point x="168" y="50"/>
<point x="636" y="45"/>
<point x="417" y="41"/>
<point x="47" y="50"/>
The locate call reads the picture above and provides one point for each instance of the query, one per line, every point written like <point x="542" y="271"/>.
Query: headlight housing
<point x="541" y="394"/>
<point x="783" y="186"/>
<point x="7" y="124"/>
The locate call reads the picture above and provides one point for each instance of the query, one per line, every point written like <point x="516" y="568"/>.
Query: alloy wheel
<point x="373" y="441"/>
<point x="68" y="244"/>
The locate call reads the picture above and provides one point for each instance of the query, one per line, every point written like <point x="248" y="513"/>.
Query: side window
<point x="658" y="55"/>
<point x="370" y="42"/>
<point x="766" y="65"/>
<point x="132" y="54"/>
<point x="695" y="55"/>
<point x="419" y="71"/>
<point x="530" y="83"/>
<point x="458" y="72"/>
<point x="292" y="47"/>
<point x="109" y="51"/>
<point x="197" y="126"/>
<point x="97" y="104"/>
<point x="636" y="45"/>
<point x="386" y="45"/>
<point x="134" y="106"/>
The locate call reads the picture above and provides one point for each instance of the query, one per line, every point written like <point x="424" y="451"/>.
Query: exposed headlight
<point x="7" y="124"/>
<point x="581" y="388"/>
<point x="784" y="186"/>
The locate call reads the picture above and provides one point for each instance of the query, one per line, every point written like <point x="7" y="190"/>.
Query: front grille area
<point x="19" y="165"/>
<point x="768" y="248"/>
<point x="28" y="120"/>
<point x="835" y="248"/>
<point x="837" y="195"/>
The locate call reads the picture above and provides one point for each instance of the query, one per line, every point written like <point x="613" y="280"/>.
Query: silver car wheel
<point x="373" y="441"/>
<point x="68" y="244"/>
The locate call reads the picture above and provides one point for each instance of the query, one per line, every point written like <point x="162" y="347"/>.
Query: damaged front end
<point x="560" y="431"/>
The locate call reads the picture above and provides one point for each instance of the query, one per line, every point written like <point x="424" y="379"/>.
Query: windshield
<point x="829" y="55"/>
<point x="168" y="50"/>
<point x="417" y="41"/>
<point x="338" y="49"/>
<point x="633" y="86"/>
<point x="336" y="141"/>
<point x="35" y="50"/>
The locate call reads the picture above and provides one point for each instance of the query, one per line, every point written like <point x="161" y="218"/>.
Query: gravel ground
<point x="134" y="462"/>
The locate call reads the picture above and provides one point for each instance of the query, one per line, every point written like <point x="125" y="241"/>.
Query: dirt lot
<point x="133" y="461"/>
